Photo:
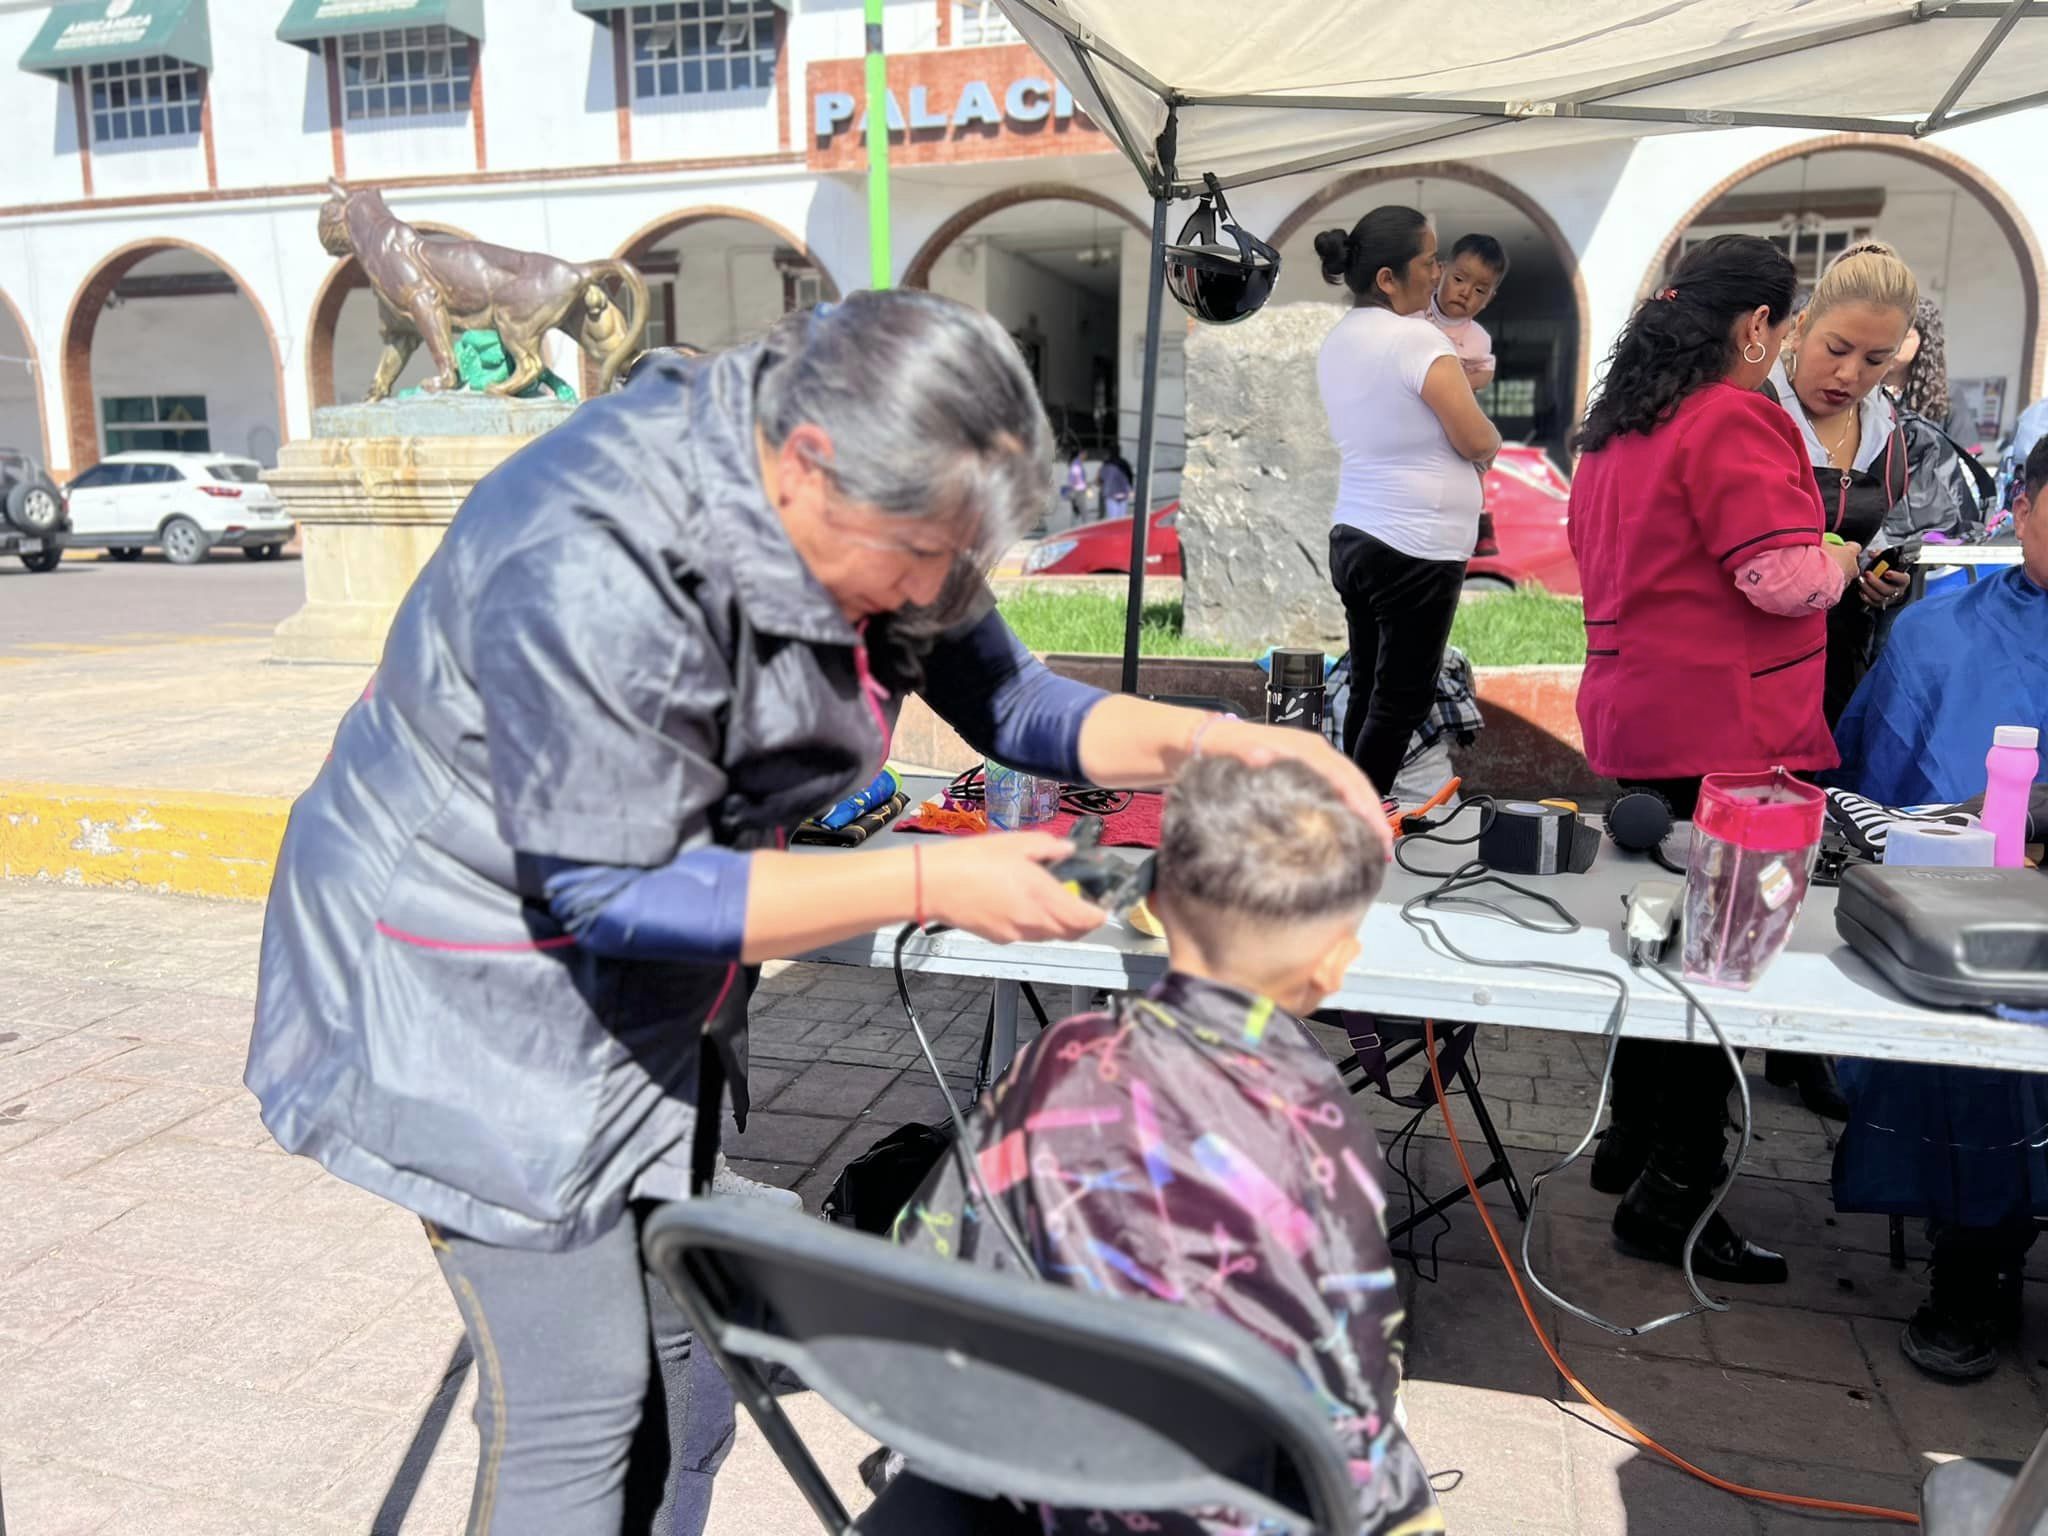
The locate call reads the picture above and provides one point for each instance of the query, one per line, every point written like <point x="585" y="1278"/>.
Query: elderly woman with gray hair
<point x="515" y="921"/>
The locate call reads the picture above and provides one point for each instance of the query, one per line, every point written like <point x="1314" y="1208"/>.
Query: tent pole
<point x="1148" y="408"/>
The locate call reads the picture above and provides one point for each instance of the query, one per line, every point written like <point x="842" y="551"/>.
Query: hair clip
<point x="1668" y="294"/>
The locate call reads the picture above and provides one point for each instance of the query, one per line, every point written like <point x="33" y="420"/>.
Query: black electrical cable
<point x="970" y="1165"/>
<point x="1665" y="862"/>
<point x="1452" y="890"/>
<point x="971" y="788"/>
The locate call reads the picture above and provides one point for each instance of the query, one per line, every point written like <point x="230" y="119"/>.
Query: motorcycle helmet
<point x="1215" y="282"/>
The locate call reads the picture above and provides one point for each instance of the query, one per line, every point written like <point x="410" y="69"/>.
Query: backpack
<point x="873" y="1189"/>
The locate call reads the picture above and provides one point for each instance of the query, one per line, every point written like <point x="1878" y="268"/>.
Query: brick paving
<point x="201" y="1335"/>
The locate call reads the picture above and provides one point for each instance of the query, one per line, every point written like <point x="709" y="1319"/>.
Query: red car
<point x="1525" y="493"/>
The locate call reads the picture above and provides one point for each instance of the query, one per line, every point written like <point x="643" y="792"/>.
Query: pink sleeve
<point x="1792" y="582"/>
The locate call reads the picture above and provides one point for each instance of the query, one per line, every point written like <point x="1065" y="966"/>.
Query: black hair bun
<point x="1333" y="248"/>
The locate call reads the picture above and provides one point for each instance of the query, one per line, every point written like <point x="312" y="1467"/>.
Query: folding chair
<point x="1380" y="1047"/>
<point x="1984" y="1498"/>
<point x="995" y="1385"/>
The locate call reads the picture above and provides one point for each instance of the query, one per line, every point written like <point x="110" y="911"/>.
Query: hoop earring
<point x="1759" y="348"/>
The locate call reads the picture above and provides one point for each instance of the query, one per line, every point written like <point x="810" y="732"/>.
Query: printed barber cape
<point x="1198" y="1148"/>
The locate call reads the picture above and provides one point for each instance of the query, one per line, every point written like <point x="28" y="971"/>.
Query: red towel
<point x="1135" y="826"/>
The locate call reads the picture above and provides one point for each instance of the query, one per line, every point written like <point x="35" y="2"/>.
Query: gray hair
<point x="930" y="409"/>
<point x="1271" y="844"/>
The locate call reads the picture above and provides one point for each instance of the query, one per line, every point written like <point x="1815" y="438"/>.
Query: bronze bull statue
<point x="430" y="287"/>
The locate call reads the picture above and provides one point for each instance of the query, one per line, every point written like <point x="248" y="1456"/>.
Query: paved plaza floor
<point x="200" y="1335"/>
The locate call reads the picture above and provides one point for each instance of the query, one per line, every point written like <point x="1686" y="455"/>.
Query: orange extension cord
<point x="1798" y="1501"/>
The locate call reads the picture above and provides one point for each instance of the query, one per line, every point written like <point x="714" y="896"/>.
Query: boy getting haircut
<point x="1197" y="1147"/>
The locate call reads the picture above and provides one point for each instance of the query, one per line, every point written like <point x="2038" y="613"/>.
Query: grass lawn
<point x="1507" y="629"/>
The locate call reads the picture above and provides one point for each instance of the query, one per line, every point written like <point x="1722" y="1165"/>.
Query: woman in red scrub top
<point x="1697" y="530"/>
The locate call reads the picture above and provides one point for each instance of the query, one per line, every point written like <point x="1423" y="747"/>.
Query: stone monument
<point x="1260" y="480"/>
<point x="376" y="485"/>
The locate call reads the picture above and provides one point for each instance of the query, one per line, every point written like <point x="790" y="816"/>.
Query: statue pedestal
<point x="372" y="490"/>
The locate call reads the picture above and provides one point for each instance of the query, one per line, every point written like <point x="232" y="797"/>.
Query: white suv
<point x="186" y="502"/>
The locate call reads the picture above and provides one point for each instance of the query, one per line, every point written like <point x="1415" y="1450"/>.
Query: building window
<point x="409" y="72"/>
<point x="153" y="98"/>
<point x="982" y="24"/>
<point x="156" y="423"/>
<point x="702" y="47"/>
<point x="1812" y="244"/>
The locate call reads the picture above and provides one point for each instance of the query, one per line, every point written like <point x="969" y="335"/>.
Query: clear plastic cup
<point x="1754" y="838"/>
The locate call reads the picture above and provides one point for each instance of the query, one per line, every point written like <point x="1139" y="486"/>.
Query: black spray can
<point x="1295" y="693"/>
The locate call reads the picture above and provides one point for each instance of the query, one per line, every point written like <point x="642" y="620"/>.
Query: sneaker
<point x="724" y="1181"/>
<point x="1950" y="1345"/>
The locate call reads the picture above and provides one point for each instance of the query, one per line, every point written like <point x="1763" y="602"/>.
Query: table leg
<point x="1003" y="1045"/>
<point x="1078" y="999"/>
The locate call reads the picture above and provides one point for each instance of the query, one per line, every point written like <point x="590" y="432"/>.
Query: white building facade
<point x="161" y="283"/>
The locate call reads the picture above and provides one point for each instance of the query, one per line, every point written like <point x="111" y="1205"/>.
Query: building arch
<point x="13" y="313"/>
<point x="918" y="274"/>
<point x="1485" y="181"/>
<point x="2019" y="235"/>
<point x="345" y="277"/>
<point x="82" y="321"/>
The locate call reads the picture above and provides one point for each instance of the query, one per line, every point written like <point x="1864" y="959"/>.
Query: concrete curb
<point x="186" y="843"/>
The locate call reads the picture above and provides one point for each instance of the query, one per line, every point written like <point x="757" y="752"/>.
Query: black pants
<point x="1398" y="610"/>
<point x="1668" y="1093"/>
<point x="597" y="1413"/>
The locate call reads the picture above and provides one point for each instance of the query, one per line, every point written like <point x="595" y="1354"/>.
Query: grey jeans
<point x="595" y="1414"/>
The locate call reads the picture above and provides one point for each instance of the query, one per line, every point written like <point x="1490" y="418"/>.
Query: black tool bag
<point x="1951" y="938"/>
<point x="875" y="1186"/>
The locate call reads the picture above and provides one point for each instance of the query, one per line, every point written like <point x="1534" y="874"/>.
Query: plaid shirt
<point x="1454" y="714"/>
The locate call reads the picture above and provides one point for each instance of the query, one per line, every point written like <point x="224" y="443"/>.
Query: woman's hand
<point x="1263" y="745"/>
<point x="1882" y="590"/>
<point x="1845" y="555"/>
<point x="997" y="887"/>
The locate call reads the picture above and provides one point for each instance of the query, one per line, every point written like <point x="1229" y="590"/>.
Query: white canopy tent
<point x="1246" y="92"/>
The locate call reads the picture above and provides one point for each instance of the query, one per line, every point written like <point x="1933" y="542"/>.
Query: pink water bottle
<point x="2010" y="769"/>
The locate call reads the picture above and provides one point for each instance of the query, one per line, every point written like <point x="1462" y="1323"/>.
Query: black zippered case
<point x="1951" y="938"/>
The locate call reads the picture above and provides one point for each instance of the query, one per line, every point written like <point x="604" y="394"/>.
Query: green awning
<point x="309" y="21"/>
<point x="81" y="32"/>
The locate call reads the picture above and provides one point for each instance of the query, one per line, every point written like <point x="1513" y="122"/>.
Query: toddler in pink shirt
<point x="1478" y="266"/>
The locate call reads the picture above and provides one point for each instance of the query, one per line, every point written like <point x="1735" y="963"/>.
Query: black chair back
<point x="993" y="1384"/>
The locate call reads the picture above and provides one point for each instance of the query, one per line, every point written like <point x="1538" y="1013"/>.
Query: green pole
<point x="879" y="264"/>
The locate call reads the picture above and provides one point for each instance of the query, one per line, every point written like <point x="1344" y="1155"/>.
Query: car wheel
<point x="185" y="542"/>
<point x="43" y="561"/>
<point x="35" y="508"/>
<point x="261" y="551"/>
<point x="125" y="553"/>
<point x="1486" y="586"/>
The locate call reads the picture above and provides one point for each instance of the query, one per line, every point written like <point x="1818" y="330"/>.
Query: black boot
<point x="1618" y="1160"/>
<point x="1652" y="1221"/>
<point x="1813" y="1076"/>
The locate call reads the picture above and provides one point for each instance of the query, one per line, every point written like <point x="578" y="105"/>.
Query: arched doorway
<point x="343" y="340"/>
<point x="1970" y="248"/>
<point x="1063" y="269"/>
<point x="1539" y="322"/>
<point x="717" y="276"/>
<point x="21" y="387"/>
<point x="167" y="347"/>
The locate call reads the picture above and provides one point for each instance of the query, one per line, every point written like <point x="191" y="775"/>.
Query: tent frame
<point x="1166" y="183"/>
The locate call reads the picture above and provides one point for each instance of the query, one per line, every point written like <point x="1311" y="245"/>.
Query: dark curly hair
<point x="1679" y="341"/>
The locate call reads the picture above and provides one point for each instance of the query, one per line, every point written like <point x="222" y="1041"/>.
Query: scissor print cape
<point x="1199" y="1148"/>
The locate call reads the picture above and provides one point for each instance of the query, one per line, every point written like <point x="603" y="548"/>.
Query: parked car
<point x="1104" y="549"/>
<point x="1526" y="493"/>
<point x="185" y="503"/>
<point x="33" y="522"/>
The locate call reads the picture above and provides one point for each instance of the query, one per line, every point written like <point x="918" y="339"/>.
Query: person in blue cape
<point x="1965" y="1148"/>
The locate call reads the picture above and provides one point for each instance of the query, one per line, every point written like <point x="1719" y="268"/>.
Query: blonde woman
<point x="1843" y="344"/>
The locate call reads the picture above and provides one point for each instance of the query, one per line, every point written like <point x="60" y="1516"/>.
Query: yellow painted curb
<point x="185" y="842"/>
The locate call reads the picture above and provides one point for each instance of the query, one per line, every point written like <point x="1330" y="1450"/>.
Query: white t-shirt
<point x="1400" y="480"/>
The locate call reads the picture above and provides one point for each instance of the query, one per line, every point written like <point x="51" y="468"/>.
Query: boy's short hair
<point x="2035" y="475"/>
<point x="1272" y="845"/>
<point x="1486" y="248"/>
